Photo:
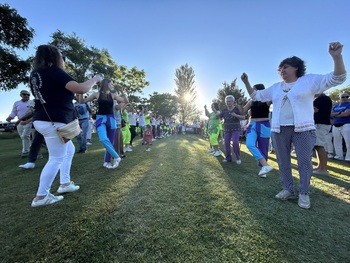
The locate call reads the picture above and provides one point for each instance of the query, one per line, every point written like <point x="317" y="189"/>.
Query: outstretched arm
<point x="335" y="50"/>
<point x="245" y="80"/>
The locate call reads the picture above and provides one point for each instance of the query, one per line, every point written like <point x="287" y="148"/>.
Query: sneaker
<point x="81" y="151"/>
<point x="88" y="143"/>
<point x="285" y="195"/>
<point x="338" y="158"/>
<point x="114" y="164"/>
<point x="68" y="189"/>
<point x="238" y="161"/>
<point x="148" y="149"/>
<point x="48" y="200"/>
<point x="211" y="150"/>
<point x="330" y="156"/>
<point x="105" y="164"/>
<point x="304" y="201"/>
<point x="217" y="153"/>
<point x="127" y="149"/>
<point x="225" y="161"/>
<point x="27" y="165"/>
<point x="264" y="170"/>
<point x="318" y="172"/>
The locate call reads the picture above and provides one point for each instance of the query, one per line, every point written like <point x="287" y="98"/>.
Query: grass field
<point x="173" y="204"/>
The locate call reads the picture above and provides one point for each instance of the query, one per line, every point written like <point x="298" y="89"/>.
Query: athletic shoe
<point x="105" y="164"/>
<point x="330" y="156"/>
<point x="48" y="200"/>
<point x="304" y="201"/>
<point x="127" y="149"/>
<point x="318" y="172"/>
<point x="264" y="170"/>
<point x="68" y="189"/>
<point x="211" y="150"/>
<point x="339" y="158"/>
<point x="115" y="163"/>
<point x="27" y="165"/>
<point x="88" y="143"/>
<point x="148" y="149"/>
<point x="217" y="153"/>
<point x="285" y="195"/>
<point x="225" y="161"/>
<point x="238" y="161"/>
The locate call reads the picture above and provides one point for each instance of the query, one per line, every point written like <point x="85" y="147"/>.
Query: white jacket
<point x="301" y="98"/>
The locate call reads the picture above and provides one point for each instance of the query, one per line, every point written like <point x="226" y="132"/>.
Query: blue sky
<point x="219" y="39"/>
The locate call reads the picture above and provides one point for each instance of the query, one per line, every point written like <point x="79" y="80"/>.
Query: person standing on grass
<point x="213" y="128"/>
<point x="293" y="117"/>
<point x="232" y="129"/>
<point x="24" y="128"/>
<point x="341" y="127"/>
<point x="322" y="117"/>
<point x="105" y="120"/>
<point x="54" y="90"/>
<point x="258" y="132"/>
<point x="147" y="137"/>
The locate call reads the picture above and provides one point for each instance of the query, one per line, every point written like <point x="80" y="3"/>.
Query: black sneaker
<point x="81" y="151"/>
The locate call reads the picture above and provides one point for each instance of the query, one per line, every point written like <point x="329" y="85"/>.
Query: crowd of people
<point x="301" y="119"/>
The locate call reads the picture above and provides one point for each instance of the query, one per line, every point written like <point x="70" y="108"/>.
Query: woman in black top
<point x="105" y="120"/>
<point x="259" y="131"/>
<point x="55" y="89"/>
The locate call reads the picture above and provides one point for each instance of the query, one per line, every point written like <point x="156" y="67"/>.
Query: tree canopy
<point x="14" y="34"/>
<point x="186" y="93"/>
<point x="230" y="89"/>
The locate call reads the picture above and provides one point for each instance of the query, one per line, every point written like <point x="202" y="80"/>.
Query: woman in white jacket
<point x="293" y="117"/>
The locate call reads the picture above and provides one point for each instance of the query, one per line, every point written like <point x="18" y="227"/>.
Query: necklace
<point x="286" y="87"/>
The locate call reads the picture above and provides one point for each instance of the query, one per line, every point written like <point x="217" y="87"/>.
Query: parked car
<point x="8" y="127"/>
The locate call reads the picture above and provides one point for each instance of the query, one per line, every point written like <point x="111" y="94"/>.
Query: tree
<point x="83" y="62"/>
<point x="230" y="89"/>
<point x="186" y="93"/>
<point x="14" y="34"/>
<point x="164" y="104"/>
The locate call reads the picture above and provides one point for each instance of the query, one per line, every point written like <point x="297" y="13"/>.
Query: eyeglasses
<point x="25" y="94"/>
<point x="344" y="97"/>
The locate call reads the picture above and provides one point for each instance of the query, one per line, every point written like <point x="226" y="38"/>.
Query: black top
<point x="324" y="105"/>
<point x="105" y="104"/>
<point x="230" y="123"/>
<point x="259" y="110"/>
<point x="50" y="85"/>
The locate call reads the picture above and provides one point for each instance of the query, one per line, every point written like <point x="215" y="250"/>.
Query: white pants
<point x="24" y="131"/>
<point x="60" y="156"/>
<point x="338" y="134"/>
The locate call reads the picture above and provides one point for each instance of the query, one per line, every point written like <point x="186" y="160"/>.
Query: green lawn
<point x="173" y="204"/>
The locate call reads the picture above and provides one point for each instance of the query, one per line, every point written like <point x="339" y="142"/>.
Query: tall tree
<point x="230" y="89"/>
<point x="186" y="93"/>
<point x="164" y="104"/>
<point x="83" y="62"/>
<point x="14" y="34"/>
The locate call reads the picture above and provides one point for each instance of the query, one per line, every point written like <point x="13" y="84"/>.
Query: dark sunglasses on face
<point x="25" y="94"/>
<point x="344" y="97"/>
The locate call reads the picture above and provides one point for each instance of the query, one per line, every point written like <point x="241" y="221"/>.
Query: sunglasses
<point x="344" y="97"/>
<point x="25" y="94"/>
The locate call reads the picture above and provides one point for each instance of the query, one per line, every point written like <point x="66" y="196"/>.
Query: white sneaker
<point x="217" y="153"/>
<point x="105" y="164"/>
<point x="239" y="161"/>
<point x="304" y="201"/>
<point x="27" y="165"/>
<point x="48" y="200"/>
<point x="148" y="149"/>
<point x="114" y="164"/>
<point x="88" y="143"/>
<point x="339" y="158"/>
<point x="285" y="195"/>
<point x="127" y="149"/>
<point x="68" y="189"/>
<point x="330" y="156"/>
<point x="264" y="170"/>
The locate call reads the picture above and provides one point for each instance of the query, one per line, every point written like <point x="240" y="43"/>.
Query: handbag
<point x="69" y="131"/>
<point x="66" y="132"/>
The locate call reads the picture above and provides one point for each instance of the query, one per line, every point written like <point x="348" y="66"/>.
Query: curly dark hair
<point x="47" y="56"/>
<point x="296" y="63"/>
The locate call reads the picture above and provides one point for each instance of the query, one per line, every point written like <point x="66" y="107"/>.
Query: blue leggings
<point x="258" y="137"/>
<point x="106" y="128"/>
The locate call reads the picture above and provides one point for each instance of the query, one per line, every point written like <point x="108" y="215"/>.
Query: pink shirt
<point x="21" y="108"/>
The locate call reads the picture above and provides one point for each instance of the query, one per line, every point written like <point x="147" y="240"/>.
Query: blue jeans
<point x="84" y="125"/>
